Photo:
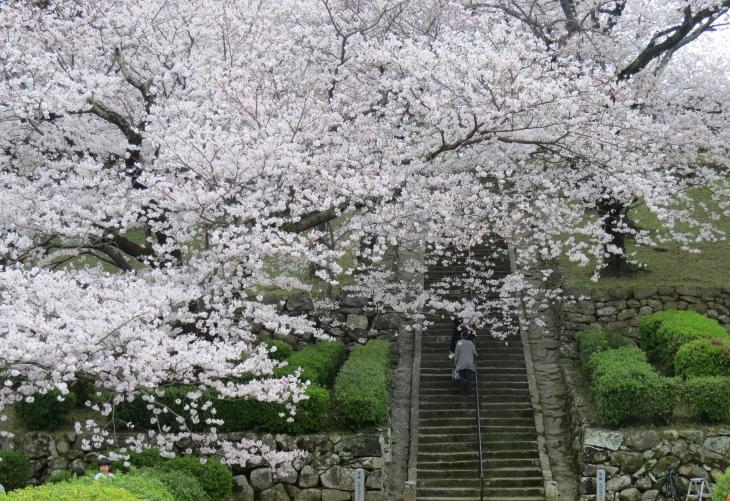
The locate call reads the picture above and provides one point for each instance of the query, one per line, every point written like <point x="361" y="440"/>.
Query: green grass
<point x="668" y="264"/>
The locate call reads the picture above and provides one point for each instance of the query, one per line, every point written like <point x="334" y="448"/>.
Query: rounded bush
<point x="46" y="412"/>
<point x="601" y="362"/>
<point x="709" y="397"/>
<point x="625" y="387"/>
<point x="704" y="357"/>
<point x="183" y="487"/>
<point x="73" y="491"/>
<point x="214" y="477"/>
<point x="589" y="342"/>
<point x="148" y="458"/>
<point x="15" y="469"/>
<point x="664" y="332"/>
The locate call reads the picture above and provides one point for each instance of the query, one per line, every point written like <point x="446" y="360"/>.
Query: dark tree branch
<point x="675" y="37"/>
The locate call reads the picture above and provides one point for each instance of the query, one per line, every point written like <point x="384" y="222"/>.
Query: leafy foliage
<point x="213" y="476"/>
<point x="722" y="488"/>
<point x="703" y="357"/>
<point x="46" y="412"/>
<point x="589" y="342"/>
<point x="709" y="397"/>
<point x="143" y="484"/>
<point x="663" y="333"/>
<point x="319" y="362"/>
<point x="278" y="350"/>
<point x="361" y="388"/>
<point x="74" y="491"/>
<point x="247" y="414"/>
<point x="15" y="469"/>
<point x="182" y="486"/>
<point x="625" y="387"/>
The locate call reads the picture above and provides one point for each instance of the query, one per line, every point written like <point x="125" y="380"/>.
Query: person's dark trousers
<point x="465" y="377"/>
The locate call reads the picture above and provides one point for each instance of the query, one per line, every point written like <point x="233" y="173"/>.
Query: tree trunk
<point x="614" y="217"/>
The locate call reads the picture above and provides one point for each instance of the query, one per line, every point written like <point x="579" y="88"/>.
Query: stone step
<point x="477" y="498"/>
<point x="491" y="482"/>
<point x="472" y="428"/>
<point x="490" y="438"/>
<point x="489" y="492"/>
<point x="495" y="454"/>
<point x="442" y="402"/>
<point x="487" y="446"/>
<point x="485" y="420"/>
<point x="459" y="472"/>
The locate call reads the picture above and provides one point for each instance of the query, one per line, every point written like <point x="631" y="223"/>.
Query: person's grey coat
<point x="465" y="355"/>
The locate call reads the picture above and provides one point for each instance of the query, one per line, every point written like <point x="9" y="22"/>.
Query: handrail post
<point x="479" y="434"/>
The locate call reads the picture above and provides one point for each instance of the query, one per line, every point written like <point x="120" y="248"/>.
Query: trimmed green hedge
<point x="625" y="387"/>
<point x="361" y="388"/>
<point x="596" y="339"/>
<point x="312" y="414"/>
<point x="46" y="412"/>
<point x="704" y="357"/>
<point x="278" y="350"/>
<point x="214" y="477"/>
<point x="722" y="488"/>
<point x="238" y="415"/>
<point x="15" y="469"/>
<point x="319" y="362"/>
<point x="662" y="334"/>
<point x="73" y="491"/>
<point x="709" y="397"/>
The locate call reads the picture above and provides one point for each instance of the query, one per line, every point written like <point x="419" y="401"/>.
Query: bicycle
<point x="669" y="489"/>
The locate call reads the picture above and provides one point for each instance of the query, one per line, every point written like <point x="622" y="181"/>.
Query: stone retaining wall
<point x="623" y="308"/>
<point x="349" y="319"/>
<point x="636" y="460"/>
<point x="326" y="473"/>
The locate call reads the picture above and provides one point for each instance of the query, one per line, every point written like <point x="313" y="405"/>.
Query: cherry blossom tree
<point x="156" y="158"/>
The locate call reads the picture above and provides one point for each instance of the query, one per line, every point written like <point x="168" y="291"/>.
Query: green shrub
<point x="312" y="413"/>
<point x="238" y="414"/>
<point x="148" y="458"/>
<point x="183" y="487"/>
<point x="319" y="362"/>
<point x="361" y="389"/>
<point x="722" y="488"/>
<point x="73" y="491"/>
<point x="249" y="414"/>
<point x="703" y="357"/>
<point x="60" y="476"/>
<point x="46" y="412"/>
<point x="214" y="477"/>
<point x="709" y="397"/>
<point x="664" y="332"/>
<point x="589" y="342"/>
<point x="135" y="414"/>
<point x="625" y="387"/>
<point x="282" y="349"/>
<point x="15" y="469"/>
<point x="601" y="362"/>
<point x="144" y="485"/>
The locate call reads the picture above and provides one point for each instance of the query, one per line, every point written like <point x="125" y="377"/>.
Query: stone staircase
<point x="448" y="457"/>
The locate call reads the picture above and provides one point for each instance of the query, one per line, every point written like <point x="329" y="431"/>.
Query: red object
<point x="728" y="497"/>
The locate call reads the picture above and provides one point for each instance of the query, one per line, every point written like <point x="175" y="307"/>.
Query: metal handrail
<point x="479" y="434"/>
